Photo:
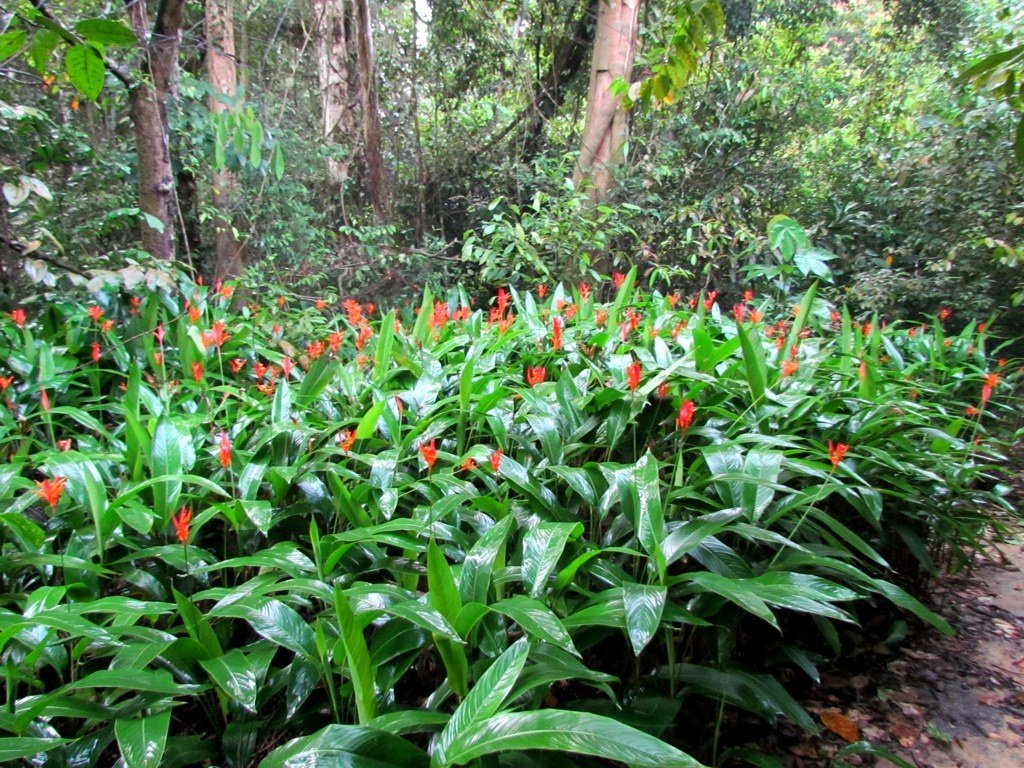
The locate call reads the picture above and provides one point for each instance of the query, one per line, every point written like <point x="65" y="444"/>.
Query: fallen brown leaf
<point x="840" y="725"/>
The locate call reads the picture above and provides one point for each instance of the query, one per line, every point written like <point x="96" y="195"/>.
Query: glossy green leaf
<point x="347" y="746"/>
<point x="85" y="70"/>
<point x="643" y="606"/>
<point x="142" y="739"/>
<point x="273" y="620"/>
<point x="542" y="548"/>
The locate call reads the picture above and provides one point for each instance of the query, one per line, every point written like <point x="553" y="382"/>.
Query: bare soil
<point x="931" y="701"/>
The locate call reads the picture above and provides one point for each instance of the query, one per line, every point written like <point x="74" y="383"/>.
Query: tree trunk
<point x="332" y="58"/>
<point x="604" y="129"/>
<point x="370" y="109"/>
<point x="223" y="74"/>
<point x="148" y="108"/>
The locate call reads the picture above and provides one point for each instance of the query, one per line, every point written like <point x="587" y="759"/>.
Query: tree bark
<point x="158" y="49"/>
<point x="333" y="72"/>
<point x="223" y="74"/>
<point x="370" y="108"/>
<point x="605" y="126"/>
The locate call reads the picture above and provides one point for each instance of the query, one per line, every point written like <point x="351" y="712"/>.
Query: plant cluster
<point x="274" y="533"/>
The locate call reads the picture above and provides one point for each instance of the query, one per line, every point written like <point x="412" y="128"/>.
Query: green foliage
<point x="382" y="539"/>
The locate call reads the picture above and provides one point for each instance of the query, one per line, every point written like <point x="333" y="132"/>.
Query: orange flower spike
<point x="618" y="279"/>
<point x="44" y="400"/>
<point x="349" y="440"/>
<point x="633" y="373"/>
<point x="687" y="410"/>
<point x="95" y="312"/>
<point x="836" y="452"/>
<point x="467" y="465"/>
<point x="18" y="316"/>
<point x="224" y="453"/>
<point x="542" y="290"/>
<point x="739" y="311"/>
<point x="584" y="290"/>
<point x="286" y="367"/>
<point x="429" y="453"/>
<point x="181" y="522"/>
<point x="557" y="323"/>
<point x="97" y="351"/>
<point x="197" y="371"/>
<point x="789" y="367"/>
<point x="945" y="313"/>
<point x="662" y="391"/>
<point x="50" y="490"/>
<point x="496" y="460"/>
<point x="535" y="375"/>
<point x="237" y="364"/>
<point x="5" y="382"/>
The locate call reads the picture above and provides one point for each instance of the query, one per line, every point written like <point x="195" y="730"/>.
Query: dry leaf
<point x="840" y="725"/>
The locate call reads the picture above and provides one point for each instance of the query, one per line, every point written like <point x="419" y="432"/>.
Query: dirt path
<point x="931" y="702"/>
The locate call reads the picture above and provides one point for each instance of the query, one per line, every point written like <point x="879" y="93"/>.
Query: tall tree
<point x="605" y="127"/>
<point x="223" y="73"/>
<point x="369" y="108"/>
<point x="332" y="57"/>
<point x="158" y="46"/>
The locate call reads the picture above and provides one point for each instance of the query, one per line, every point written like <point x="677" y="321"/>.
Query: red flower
<point x="429" y="453"/>
<point x="755" y="316"/>
<point x="836" y="452"/>
<point x="542" y="290"/>
<point x="348" y="440"/>
<point x="618" y="279"/>
<point x="600" y="316"/>
<point x="226" y="291"/>
<point x="535" y="374"/>
<point x="662" y="391"/>
<point x="789" y="367"/>
<point x="673" y="299"/>
<point x="686" y="412"/>
<point x="945" y="313"/>
<point x="95" y="312"/>
<point x="354" y="310"/>
<point x="501" y="302"/>
<point x="97" y="351"/>
<point x="237" y="364"/>
<point x="286" y="367"/>
<point x="556" y="332"/>
<point x="181" y="522"/>
<point x="216" y="336"/>
<point x="224" y="454"/>
<point x="18" y="316"/>
<point x="320" y="305"/>
<point x="584" y="291"/>
<point x="739" y="311"/>
<point x="399" y="406"/>
<point x="970" y="410"/>
<point x="193" y="315"/>
<point x="51" y="490"/>
<point x="44" y="400"/>
<point x="467" y="465"/>
<point x="496" y="460"/>
<point x="64" y="445"/>
<point x="633" y="373"/>
<point x="197" y="371"/>
<point x="334" y="341"/>
<point x="159" y="334"/>
<point x="748" y="295"/>
<point x="5" y="382"/>
<point x="315" y="349"/>
<point x="281" y="302"/>
<point x="158" y="358"/>
<point x="709" y="302"/>
<point x="365" y="334"/>
<point x="439" y="317"/>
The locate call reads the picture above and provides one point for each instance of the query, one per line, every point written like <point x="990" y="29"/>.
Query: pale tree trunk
<point x="370" y="108"/>
<point x="332" y="58"/>
<point x="223" y="74"/>
<point x="605" y="126"/>
<point x="158" y="48"/>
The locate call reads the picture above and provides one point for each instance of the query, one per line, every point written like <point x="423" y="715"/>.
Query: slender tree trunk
<point x="148" y="108"/>
<point x="333" y="71"/>
<point x="370" y="109"/>
<point x="223" y="74"/>
<point x="605" y="126"/>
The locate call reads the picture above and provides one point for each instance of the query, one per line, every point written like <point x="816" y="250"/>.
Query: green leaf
<point x="133" y="679"/>
<point x="650" y="517"/>
<point x="643" y="605"/>
<point x="166" y="458"/>
<point x="813" y="260"/>
<point x="85" y="70"/>
<point x="11" y="42"/>
<point x="475" y="580"/>
<point x="787" y="236"/>
<point x="277" y="162"/>
<point x="239" y="674"/>
<point x="691" y="533"/>
<point x="106" y="32"/>
<point x="483" y="700"/>
<point x="358" y="656"/>
<point x="542" y="548"/>
<point x="554" y="729"/>
<point x="347" y="746"/>
<point x="19" y="747"/>
<point x="273" y="620"/>
<point x="142" y="739"/>
<point x="536" y="619"/>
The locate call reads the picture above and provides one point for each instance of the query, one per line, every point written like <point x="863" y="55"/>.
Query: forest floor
<point x="931" y="701"/>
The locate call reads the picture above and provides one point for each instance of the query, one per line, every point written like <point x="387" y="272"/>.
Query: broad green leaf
<point x="11" y="42"/>
<point x="359" y="667"/>
<point x="644" y="605"/>
<point x="475" y="579"/>
<point x="693" y="532"/>
<point x="542" y="548"/>
<point x="273" y="620"/>
<point x="166" y="459"/>
<point x="536" y="619"/>
<point x="19" y="747"/>
<point x="347" y="746"/>
<point x="650" y="517"/>
<point x="553" y="729"/>
<point x="106" y="32"/>
<point x="483" y="700"/>
<point x="142" y="739"/>
<point x="787" y="236"/>
<point x="85" y="70"/>
<point x="240" y="675"/>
